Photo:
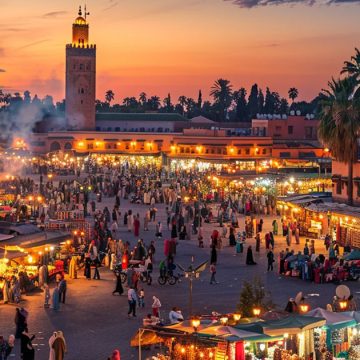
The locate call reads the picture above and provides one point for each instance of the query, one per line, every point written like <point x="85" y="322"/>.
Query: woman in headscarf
<point x="249" y="257"/>
<point x="27" y="350"/>
<point x="115" y="355"/>
<point x="119" y="288"/>
<point x="59" y="346"/>
<point x="20" y="322"/>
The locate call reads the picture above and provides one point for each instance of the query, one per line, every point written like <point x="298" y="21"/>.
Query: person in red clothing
<point x="136" y="226"/>
<point x="115" y="355"/>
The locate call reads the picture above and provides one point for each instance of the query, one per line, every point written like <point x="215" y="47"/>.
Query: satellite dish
<point x="292" y="112"/>
<point x="343" y="292"/>
<point x="329" y="307"/>
<point x="298" y="298"/>
<point x="298" y="112"/>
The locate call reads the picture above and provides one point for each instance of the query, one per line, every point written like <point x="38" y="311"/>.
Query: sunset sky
<point x="180" y="46"/>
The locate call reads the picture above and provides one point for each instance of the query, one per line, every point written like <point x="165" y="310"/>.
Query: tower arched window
<point x="82" y="91"/>
<point x="81" y="66"/>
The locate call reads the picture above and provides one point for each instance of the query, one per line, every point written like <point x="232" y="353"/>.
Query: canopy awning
<point x="292" y="325"/>
<point x="334" y="320"/>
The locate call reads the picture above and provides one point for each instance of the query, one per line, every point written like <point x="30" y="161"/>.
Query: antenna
<point x="85" y="12"/>
<point x="80" y="12"/>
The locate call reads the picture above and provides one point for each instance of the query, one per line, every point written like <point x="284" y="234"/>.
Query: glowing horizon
<point x="178" y="46"/>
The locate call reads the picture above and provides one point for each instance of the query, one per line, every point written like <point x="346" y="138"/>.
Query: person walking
<point x="249" y="257"/>
<point x="257" y="240"/>
<point x="96" y="272"/>
<point x="270" y="259"/>
<point x="213" y="255"/>
<point x="20" y="321"/>
<point x="156" y="306"/>
<point x="27" y="350"/>
<point x="132" y="299"/>
<point x="62" y="290"/>
<point x="213" y="273"/>
<point x="87" y="267"/>
<point x="118" y="288"/>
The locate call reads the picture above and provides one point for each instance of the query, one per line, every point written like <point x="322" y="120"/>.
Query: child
<point x="141" y="298"/>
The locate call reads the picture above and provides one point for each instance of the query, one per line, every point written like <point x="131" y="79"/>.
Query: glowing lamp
<point x="211" y="355"/>
<point x="183" y="350"/>
<point x="343" y="304"/>
<point x="195" y="323"/>
<point x="224" y="320"/>
<point x="262" y="347"/>
<point x="237" y="316"/>
<point x="286" y="335"/>
<point x="256" y="311"/>
<point x="304" y="308"/>
<point x="52" y="248"/>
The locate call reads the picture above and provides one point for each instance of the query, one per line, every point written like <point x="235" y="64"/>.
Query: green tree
<point x="109" y="96"/>
<point x="168" y="106"/>
<point x="293" y="93"/>
<point x="253" y="294"/>
<point x="261" y="101"/>
<point x="239" y="97"/>
<point x="284" y="106"/>
<point x="199" y="102"/>
<point x="340" y="124"/>
<point x="222" y="94"/>
<point x="154" y="103"/>
<point x="182" y="103"/>
<point x="253" y="101"/>
<point x="143" y="98"/>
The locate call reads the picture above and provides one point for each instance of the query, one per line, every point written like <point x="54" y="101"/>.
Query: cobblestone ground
<point x="94" y="322"/>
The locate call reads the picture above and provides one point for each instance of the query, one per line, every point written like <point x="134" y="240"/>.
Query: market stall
<point x="337" y="329"/>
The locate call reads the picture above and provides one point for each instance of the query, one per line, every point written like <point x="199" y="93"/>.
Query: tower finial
<point x="80" y="12"/>
<point x="85" y="12"/>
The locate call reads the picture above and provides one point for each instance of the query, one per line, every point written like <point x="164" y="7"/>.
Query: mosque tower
<point x="80" y="77"/>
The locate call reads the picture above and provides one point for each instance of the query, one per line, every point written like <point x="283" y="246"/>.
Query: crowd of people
<point x="187" y="210"/>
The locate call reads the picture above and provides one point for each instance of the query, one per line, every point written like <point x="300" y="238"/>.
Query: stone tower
<point x="80" y="77"/>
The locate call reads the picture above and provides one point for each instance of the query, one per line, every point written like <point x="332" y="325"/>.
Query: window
<point x="309" y="132"/>
<point x="81" y="67"/>
<point x="117" y="129"/>
<point x="278" y="129"/>
<point x="81" y="102"/>
<point x="109" y="129"/>
<point x="290" y="130"/>
<point x="239" y="152"/>
<point x="219" y="151"/>
<point x="82" y="91"/>
<point x="264" y="151"/>
<point x="90" y="146"/>
<point x="247" y="151"/>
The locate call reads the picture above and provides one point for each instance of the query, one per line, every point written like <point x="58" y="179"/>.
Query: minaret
<point x="80" y="77"/>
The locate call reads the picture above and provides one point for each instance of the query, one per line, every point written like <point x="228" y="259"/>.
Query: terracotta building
<point x="80" y="78"/>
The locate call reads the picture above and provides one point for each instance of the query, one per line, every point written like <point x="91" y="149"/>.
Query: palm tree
<point x="109" y="96"/>
<point x="352" y="68"/>
<point x="182" y="101"/>
<point x="142" y="98"/>
<point x="293" y="93"/>
<point x="154" y="103"/>
<point x="222" y="94"/>
<point x="340" y="124"/>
